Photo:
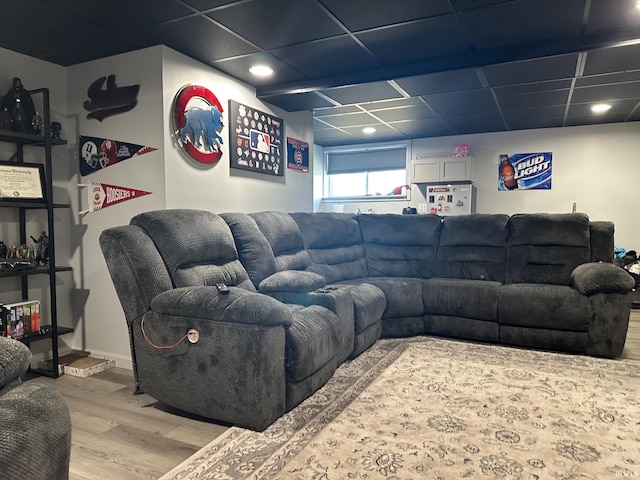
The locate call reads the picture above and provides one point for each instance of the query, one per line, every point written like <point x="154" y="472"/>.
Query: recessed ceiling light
<point x="368" y="130"/>
<point x="600" y="107"/>
<point x="261" y="70"/>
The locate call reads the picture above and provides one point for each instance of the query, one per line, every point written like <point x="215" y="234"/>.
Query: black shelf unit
<point x="21" y="140"/>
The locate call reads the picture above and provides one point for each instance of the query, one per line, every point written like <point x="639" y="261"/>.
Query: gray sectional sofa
<point x="303" y="292"/>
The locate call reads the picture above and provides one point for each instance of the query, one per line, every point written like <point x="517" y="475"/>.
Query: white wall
<point x="218" y="187"/>
<point x="595" y="166"/>
<point x="99" y="323"/>
<point x="175" y="180"/>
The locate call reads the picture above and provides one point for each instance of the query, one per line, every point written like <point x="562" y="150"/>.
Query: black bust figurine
<point x="19" y="104"/>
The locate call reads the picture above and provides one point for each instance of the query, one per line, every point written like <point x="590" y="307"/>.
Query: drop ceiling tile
<point x="606" y="92"/>
<point x="483" y="122"/>
<point x="297" y="102"/>
<point x="441" y="82"/>
<point x="635" y="115"/>
<point x="528" y="71"/>
<point x="202" y="5"/>
<point x="238" y="67"/>
<point x="333" y="137"/>
<point x="118" y="15"/>
<point x="529" y="123"/>
<point x="366" y="92"/>
<point x="514" y="22"/>
<point x="534" y="87"/>
<point x="593" y="120"/>
<point x="423" y="128"/>
<point x="350" y="120"/>
<point x="532" y="100"/>
<point x="213" y="43"/>
<point x="456" y="106"/>
<point x="613" y="59"/>
<point x="326" y="57"/>
<point x="329" y="111"/>
<point x="404" y="113"/>
<point x="606" y="79"/>
<point x="533" y="114"/>
<point x="607" y="15"/>
<point x="392" y="103"/>
<point x="277" y="23"/>
<point x="618" y="107"/>
<point x="429" y="38"/>
<point x="364" y="14"/>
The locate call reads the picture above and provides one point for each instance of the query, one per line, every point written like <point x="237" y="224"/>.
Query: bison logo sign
<point x="198" y="122"/>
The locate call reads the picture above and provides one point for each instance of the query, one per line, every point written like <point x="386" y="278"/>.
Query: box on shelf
<point x="19" y="319"/>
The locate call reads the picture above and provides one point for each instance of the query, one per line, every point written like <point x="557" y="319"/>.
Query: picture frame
<point x="22" y="182"/>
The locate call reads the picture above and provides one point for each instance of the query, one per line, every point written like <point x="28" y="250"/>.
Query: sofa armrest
<point x="15" y="359"/>
<point x="592" y="278"/>
<point x="292" y="281"/>
<point x="237" y="306"/>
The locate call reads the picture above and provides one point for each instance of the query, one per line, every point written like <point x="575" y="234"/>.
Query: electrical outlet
<point x="422" y="208"/>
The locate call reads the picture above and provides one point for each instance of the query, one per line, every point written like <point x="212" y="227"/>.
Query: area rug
<point x="442" y="409"/>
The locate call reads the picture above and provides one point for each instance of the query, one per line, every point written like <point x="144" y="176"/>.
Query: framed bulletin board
<point x="255" y="140"/>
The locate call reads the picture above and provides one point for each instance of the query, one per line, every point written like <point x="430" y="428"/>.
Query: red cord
<point x="144" y="334"/>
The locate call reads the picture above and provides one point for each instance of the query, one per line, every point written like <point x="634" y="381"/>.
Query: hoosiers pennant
<point x="102" y="195"/>
<point x="98" y="153"/>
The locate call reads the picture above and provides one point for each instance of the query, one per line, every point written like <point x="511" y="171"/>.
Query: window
<point x="376" y="172"/>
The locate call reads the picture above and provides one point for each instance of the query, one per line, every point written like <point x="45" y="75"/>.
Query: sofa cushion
<point x="473" y="247"/>
<point x="545" y="248"/>
<point x="403" y="295"/>
<point x="253" y="248"/>
<point x="400" y="245"/>
<point x="334" y="243"/>
<point x="476" y="299"/>
<point x="552" y="307"/>
<point x="197" y="247"/>
<point x="284" y="237"/>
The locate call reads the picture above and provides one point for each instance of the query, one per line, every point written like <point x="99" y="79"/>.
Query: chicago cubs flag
<point x="103" y="195"/>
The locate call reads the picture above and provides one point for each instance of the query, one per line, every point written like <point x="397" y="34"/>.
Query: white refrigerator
<point x="448" y="200"/>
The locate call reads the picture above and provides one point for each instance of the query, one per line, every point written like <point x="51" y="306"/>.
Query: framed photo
<point x="255" y="140"/>
<point x="22" y="181"/>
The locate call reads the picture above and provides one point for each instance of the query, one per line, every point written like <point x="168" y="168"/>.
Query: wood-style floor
<point x="118" y="435"/>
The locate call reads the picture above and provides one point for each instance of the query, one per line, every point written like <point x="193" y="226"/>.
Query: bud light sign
<point x="525" y="171"/>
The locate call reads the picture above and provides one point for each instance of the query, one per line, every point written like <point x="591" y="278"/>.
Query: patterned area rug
<point x="441" y="409"/>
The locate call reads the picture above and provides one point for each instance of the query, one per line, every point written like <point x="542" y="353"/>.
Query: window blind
<point x="367" y="160"/>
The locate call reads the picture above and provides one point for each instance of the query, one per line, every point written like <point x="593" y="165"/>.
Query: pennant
<point x="103" y="195"/>
<point x="98" y="153"/>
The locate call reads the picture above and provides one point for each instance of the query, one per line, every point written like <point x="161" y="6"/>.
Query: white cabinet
<point x="440" y="169"/>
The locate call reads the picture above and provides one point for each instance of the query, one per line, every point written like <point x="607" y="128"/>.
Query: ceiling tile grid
<point x="409" y="68"/>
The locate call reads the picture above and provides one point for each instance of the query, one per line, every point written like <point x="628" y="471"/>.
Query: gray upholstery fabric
<point x="601" y="237"/>
<point x="462" y="298"/>
<point x="545" y="248"/>
<point x="543" y="339"/>
<point x="473" y="247"/>
<point x="284" y="237"/>
<point x="400" y="245"/>
<point x="15" y="359"/>
<point x="197" y="247"/>
<point x="254" y="250"/>
<point x="403" y="296"/>
<point x="609" y="324"/>
<point x="35" y="426"/>
<point x="292" y="281"/>
<point x="552" y="307"/>
<point x="460" y="327"/>
<point x="402" y="327"/>
<point x="334" y="243"/>
<point x="590" y="278"/>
